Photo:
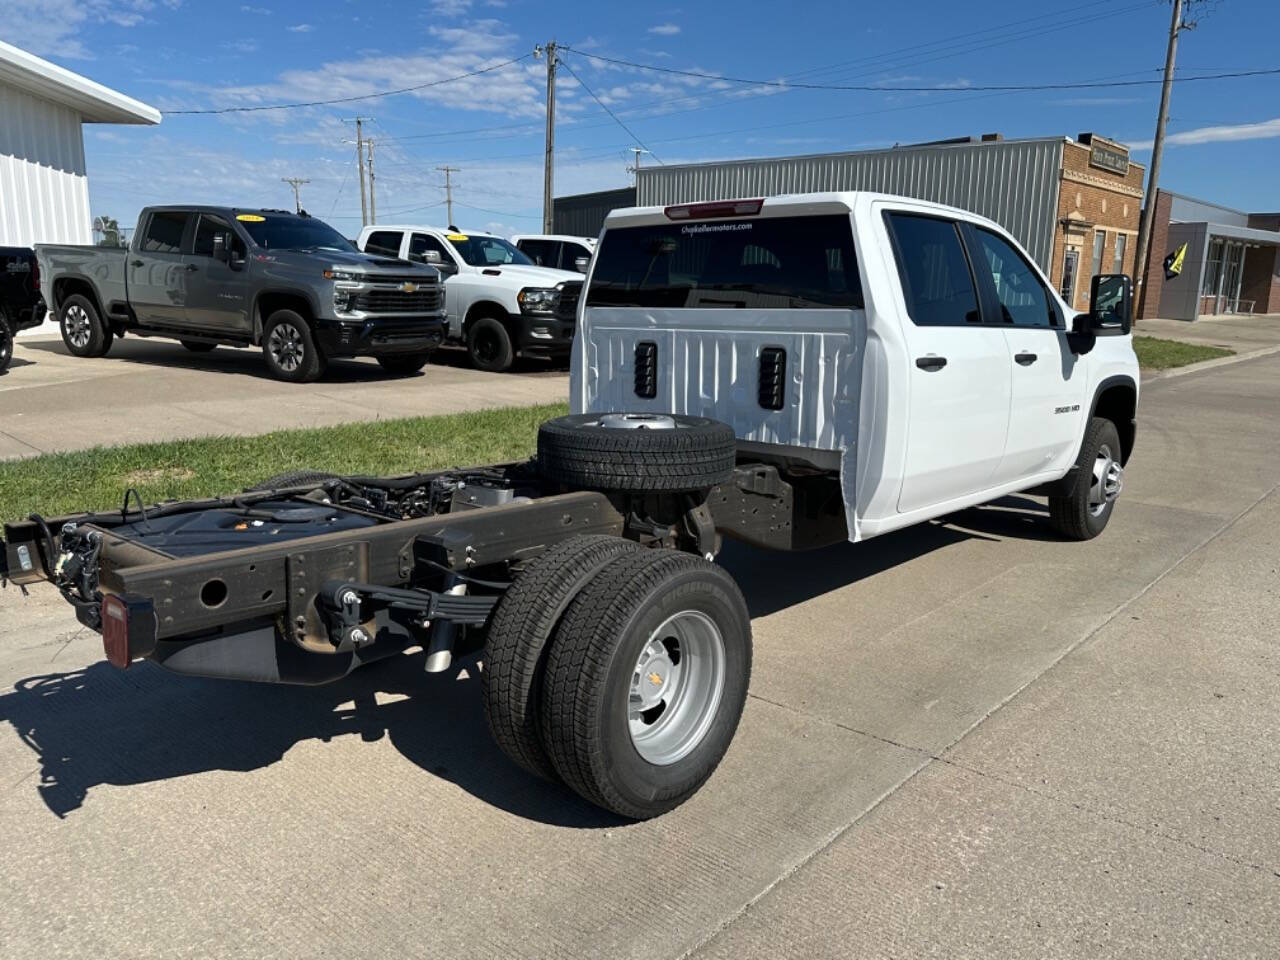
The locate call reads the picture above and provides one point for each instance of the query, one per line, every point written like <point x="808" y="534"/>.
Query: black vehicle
<point x="21" y="305"/>
<point x="210" y="276"/>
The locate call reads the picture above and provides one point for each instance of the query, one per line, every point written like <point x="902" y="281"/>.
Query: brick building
<point x="1074" y="205"/>
<point x="1099" y="211"/>
<point x="1229" y="263"/>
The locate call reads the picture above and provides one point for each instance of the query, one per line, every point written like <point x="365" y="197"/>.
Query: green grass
<point x="1156" y="354"/>
<point x="96" y="479"/>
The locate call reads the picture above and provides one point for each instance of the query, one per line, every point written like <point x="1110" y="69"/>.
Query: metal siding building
<point x="44" y="190"/>
<point x="1013" y="182"/>
<point x="582" y="215"/>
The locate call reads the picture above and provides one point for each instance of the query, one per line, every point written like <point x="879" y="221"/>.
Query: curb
<point x="1209" y="364"/>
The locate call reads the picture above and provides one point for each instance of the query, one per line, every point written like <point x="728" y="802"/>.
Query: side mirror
<point x="582" y="264"/>
<point x="1111" y="300"/>
<point x="221" y="247"/>
<point x="447" y="268"/>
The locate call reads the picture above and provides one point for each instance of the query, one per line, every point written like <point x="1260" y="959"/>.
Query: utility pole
<point x="548" y="176"/>
<point x="373" y="196"/>
<point x="295" y="182"/>
<point x="364" y="204"/>
<point x="1157" y="149"/>
<point x="635" y="170"/>
<point x="448" y="190"/>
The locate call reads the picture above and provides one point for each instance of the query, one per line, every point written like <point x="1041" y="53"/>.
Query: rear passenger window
<point x="1023" y="300"/>
<point x="164" y="232"/>
<point x="766" y="263"/>
<point x="384" y="243"/>
<point x="936" y="281"/>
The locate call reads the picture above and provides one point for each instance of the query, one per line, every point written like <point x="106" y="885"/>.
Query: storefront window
<point x="1099" y="241"/>
<point x="1212" y="269"/>
<point x="1070" y="263"/>
<point x="1117" y="264"/>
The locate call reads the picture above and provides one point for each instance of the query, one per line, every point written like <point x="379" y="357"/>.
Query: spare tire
<point x="637" y="452"/>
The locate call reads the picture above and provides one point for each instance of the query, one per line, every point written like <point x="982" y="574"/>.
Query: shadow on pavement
<point x="100" y="725"/>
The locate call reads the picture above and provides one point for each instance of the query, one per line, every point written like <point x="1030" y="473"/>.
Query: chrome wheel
<point x="1107" y="482"/>
<point x="76" y="326"/>
<point x="676" y="686"/>
<point x="287" y="347"/>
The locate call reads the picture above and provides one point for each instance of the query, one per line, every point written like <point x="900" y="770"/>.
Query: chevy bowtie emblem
<point x="408" y="288"/>
<point x="655" y="679"/>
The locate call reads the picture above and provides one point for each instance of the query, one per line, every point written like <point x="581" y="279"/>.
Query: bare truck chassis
<point x="311" y="576"/>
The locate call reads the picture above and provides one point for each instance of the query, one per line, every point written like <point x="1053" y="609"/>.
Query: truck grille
<point x="422" y="300"/>
<point x="567" y="302"/>
<point x="390" y="331"/>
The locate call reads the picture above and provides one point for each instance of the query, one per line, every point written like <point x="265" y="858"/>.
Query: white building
<point x="44" y="190"/>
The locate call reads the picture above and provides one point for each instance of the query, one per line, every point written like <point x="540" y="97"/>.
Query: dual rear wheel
<point x="619" y="670"/>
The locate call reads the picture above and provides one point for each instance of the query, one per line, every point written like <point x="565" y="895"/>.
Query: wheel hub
<point x="76" y="322"/>
<point x="637" y="421"/>
<point x="286" y="346"/>
<point x="1107" y="481"/>
<point x="676" y="686"/>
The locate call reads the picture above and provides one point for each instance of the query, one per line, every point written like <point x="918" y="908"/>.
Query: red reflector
<point x="115" y="631"/>
<point x="709" y="211"/>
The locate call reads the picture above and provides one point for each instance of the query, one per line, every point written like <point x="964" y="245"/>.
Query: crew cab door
<point x="420" y="244"/>
<point x="1045" y="419"/>
<point x="958" y="377"/>
<point x="157" y="272"/>
<point x="218" y="294"/>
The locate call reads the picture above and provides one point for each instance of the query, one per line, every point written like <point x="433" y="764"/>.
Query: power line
<point x="605" y="108"/>
<point x="884" y="88"/>
<point x="367" y="96"/>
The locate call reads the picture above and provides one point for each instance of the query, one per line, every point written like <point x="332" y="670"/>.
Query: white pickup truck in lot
<point x="792" y="373"/>
<point x="500" y="304"/>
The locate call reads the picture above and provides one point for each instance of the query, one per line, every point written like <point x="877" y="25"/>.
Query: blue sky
<point x="196" y="54"/>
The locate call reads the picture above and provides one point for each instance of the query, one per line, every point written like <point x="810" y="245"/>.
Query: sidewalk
<point x="1243" y="334"/>
<point x="152" y="390"/>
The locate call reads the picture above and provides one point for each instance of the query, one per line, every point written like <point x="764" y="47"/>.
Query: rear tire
<point x="6" y="343"/>
<point x="646" y="681"/>
<point x="489" y="345"/>
<point x="515" y="650"/>
<point x="196" y="346"/>
<point x="83" y="331"/>
<point x="1084" y="513"/>
<point x="290" y="350"/>
<point x="405" y="365"/>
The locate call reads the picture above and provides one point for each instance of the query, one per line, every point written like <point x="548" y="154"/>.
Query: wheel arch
<point x="1116" y="399"/>
<point x="269" y="301"/>
<point x="65" y="287"/>
<point x="486" y="308"/>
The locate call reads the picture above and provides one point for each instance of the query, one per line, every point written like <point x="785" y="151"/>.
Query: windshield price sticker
<point x="251" y="218"/>
<point x="458" y="237"/>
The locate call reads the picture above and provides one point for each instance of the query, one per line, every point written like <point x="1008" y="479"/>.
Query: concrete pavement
<point x="147" y="390"/>
<point x="968" y="739"/>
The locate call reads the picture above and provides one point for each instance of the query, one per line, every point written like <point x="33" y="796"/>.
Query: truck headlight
<point x="537" y="300"/>
<point x="337" y="273"/>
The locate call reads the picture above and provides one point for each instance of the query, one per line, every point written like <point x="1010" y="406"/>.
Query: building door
<point x="1070" y="267"/>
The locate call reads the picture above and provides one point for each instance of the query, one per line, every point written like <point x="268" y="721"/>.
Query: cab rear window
<point x="765" y="263"/>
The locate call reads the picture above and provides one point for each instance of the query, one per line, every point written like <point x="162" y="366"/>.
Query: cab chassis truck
<point x="616" y="654"/>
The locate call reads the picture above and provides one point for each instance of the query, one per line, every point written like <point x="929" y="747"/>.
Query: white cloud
<point x="301" y="28"/>
<point x="665" y="29"/>
<point x="256" y="11"/>
<point x="56" y="27"/>
<point x="1262" y="130"/>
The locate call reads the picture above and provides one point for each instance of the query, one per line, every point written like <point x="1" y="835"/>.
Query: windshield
<point x="292" y="233"/>
<point x="486" y="251"/>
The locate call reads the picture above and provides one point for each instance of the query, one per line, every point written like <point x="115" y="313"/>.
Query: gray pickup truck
<point x="209" y="276"/>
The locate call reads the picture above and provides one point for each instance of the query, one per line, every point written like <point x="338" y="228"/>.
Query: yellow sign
<point x="251" y="218"/>
<point x="458" y="237"/>
<point x="1173" y="262"/>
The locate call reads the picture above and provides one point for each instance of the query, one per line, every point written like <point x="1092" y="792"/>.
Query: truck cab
<point x="914" y="351"/>
<point x="500" y="303"/>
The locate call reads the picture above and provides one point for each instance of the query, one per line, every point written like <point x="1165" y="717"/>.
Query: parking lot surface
<point x="147" y="390"/>
<point x="967" y="739"/>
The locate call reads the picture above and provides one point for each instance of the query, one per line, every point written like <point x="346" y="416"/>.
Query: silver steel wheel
<point x="1108" y="481"/>
<point x="287" y="346"/>
<point x="75" y="324"/>
<point x="676" y="687"/>
<point x="636" y="421"/>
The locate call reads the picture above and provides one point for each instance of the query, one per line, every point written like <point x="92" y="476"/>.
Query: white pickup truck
<point x="500" y="304"/>
<point x="791" y="373"/>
